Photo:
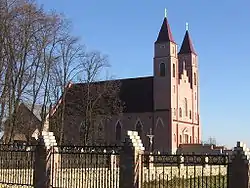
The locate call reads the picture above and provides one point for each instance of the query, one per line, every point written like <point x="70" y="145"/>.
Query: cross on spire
<point x="186" y="26"/>
<point x="187" y="45"/>
<point x="165" y="34"/>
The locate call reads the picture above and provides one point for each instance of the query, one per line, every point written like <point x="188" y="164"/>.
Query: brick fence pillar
<point x="130" y="161"/>
<point x="238" y="168"/>
<point x="41" y="175"/>
<point x="53" y="156"/>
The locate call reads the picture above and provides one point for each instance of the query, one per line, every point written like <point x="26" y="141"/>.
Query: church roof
<point x="187" y="45"/>
<point x="165" y="34"/>
<point x="137" y="94"/>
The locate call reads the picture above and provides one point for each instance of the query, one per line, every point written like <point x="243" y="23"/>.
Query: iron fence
<point x="16" y="164"/>
<point x="85" y="166"/>
<point x="183" y="171"/>
<point x="100" y="167"/>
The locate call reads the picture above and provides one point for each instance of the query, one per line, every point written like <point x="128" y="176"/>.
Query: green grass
<point x="197" y="182"/>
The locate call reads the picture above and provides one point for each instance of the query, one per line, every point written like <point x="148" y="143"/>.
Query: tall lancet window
<point x="195" y="79"/>
<point x="138" y="128"/>
<point x="118" y="131"/>
<point x="186" y="138"/>
<point x="162" y="69"/>
<point x="174" y="70"/>
<point x="186" y="106"/>
<point x="180" y="112"/>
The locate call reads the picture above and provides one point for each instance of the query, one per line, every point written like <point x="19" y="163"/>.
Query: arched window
<point x="186" y="138"/>
<point x="162" y="69"/>
<point x="195" y="79"/>
<point x="186" y="106"/>
<point x="174" y="70"/>
<point x="118" y="131"/>
<point x="180" y="112"/>
<point x="190" y="114"/>
<point x="138" y="128"/>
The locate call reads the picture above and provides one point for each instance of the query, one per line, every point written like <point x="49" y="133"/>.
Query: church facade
<point x="168" y="102"/>
<point x="164" y="105"/>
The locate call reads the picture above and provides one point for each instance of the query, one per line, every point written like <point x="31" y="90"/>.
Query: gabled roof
<point x="135" y="93"/>
<point x="165" y="34"/>
<point x="187" y="45"/>
<point x="28" y="122"/>
<point x="36" y="111"/>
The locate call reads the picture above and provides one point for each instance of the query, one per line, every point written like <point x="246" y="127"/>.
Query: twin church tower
<point x="176" y="88"/>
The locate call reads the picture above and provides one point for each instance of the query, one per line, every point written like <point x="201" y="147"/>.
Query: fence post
<point x="41" y="179"/>
<point x="238" y="168"/>
<point x="130" y="161"/>
<point x="52" y="156"/>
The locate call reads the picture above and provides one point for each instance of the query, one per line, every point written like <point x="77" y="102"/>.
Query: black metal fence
<point x="85" y="166"/>
<point x="16" y="165"/>
<point x="183" y="171"/>
<point x="103" y="166"/>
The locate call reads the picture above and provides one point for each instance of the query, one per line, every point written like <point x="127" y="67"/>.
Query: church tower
<point x="165" y="85"/>
<point x="165" y="67"/>
<point x="176" y="92"/>
<point x="188" y="93"/>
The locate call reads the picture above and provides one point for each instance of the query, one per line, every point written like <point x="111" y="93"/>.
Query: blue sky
<point x="220" y="30"/>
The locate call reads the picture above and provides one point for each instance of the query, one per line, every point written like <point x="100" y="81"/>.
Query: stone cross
<point x="150" y="136"/>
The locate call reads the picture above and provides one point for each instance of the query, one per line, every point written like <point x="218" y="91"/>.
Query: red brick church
<point x="165" y="105"/>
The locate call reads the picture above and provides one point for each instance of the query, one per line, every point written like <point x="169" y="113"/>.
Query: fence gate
<point x="85" y="166"/>
<point x="183" y="171"/>
<point x="17" y="165"/>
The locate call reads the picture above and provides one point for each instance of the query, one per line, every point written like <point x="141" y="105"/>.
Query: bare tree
<point x="38" y="58"/>
<point x="88" y="102"/>
<point x="101" y="98"/>
<point x="17" y="53"/>
<point x="27" y="32"/>
<point x="66" y="69"/>
<point x="210" y="141"/>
